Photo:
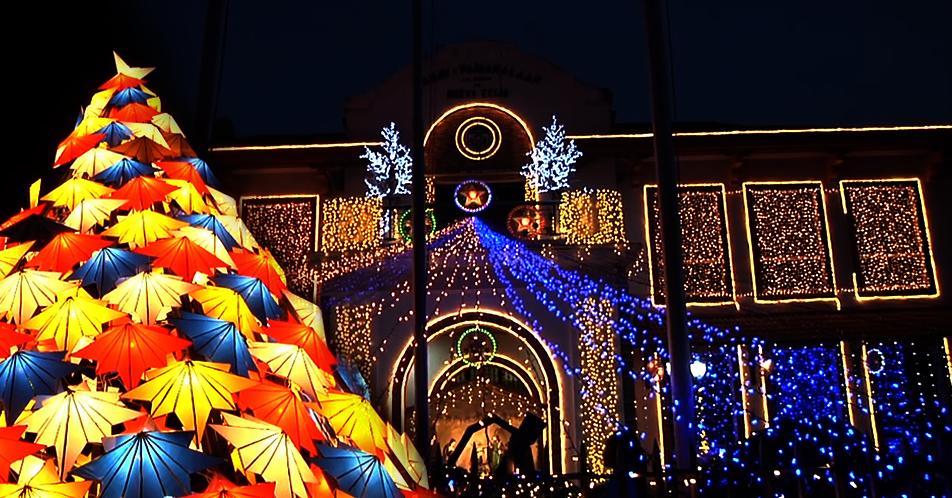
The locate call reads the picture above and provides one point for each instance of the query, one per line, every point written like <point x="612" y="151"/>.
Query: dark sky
<point x="290" y="64"/>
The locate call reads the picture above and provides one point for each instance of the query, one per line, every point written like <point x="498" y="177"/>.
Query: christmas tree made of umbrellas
<point x="149" y="344"/>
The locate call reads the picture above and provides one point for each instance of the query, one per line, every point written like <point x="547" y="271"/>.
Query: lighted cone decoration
<point x="126" y="332"/>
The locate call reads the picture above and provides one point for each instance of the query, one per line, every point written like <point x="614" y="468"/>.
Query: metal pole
<point x="679" y="347"/>
<point x="418" y="214"/>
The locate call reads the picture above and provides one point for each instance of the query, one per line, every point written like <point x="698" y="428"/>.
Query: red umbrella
<point x="134" y="112"/>
<point x="181" y="170"/>
<point x="143" y="149"/>
<point x="130" y="349"/>
<point x="182" y="256"/>
<point x="14" y="449"/>
<point x="260" y="266"/>
<point x="38" y="210"/>
<point x="179" y="145"/>
<point x="280" y="406"/>
<point x="219" y="487"/>
<point x="142" y="192"/>
<point x="121" y="82"/>
<point x="9" y="338"/>
<point x="73" y="147"/>
<point x="305" y="337"/>
<point x="67" y="249"/>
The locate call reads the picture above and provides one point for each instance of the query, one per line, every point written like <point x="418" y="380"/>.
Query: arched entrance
<point x="519" y="377"/>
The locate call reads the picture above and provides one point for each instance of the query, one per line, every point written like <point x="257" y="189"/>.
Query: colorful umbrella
<point x="307" y="313"/>
<point x="148" y="297"/>
<point x="226" y="204"/>
<point x="260" y="266"/>
<point x="116" y="133"/>
<point x="265" y="490"/>
<point x="71" y="319"/>
<point x="34" y="227"/>
<point x="128" y="96"/>
<point x="187" y="197"/>
<point x="14" y="449"/>
<point x="217" y="340"/>
<point x="143" y="227"/>
<point x="73" y="147"/>
<point x="239" y="231"/>
<point x="207" y="240"/>
<point x="88" y="125"/>
<point x="190" y="390"/>
<point x="254" y="292"/>
<point x="130" y="349"/>
<point x="135" y="113"/>
<point x="292" y="363"/>
<point x="24" y="291"/>
<point x="106" y="267"/>
<point x="26" y="374"/>
<point x="11" y="256"/>
<point x="154" y="102"/>
<point x="66" y="250"/>
<point x="11" y="338"/>
<point x="95" y="160"/>
<point x="182" y="256"/>
<point x="143" y="192"/>
<point x="212" y="224"/>
<point x="203" y="170"/>
<point x="177" y="144"/>
<point x="359" y="474"/>
<point x="98" y="103"/>
<point x="283" y="407"/>
<point x="167" y="123"/>
<point x="74" y="191"/>
<point x="143" y="149"/>
<point x="146" y="465"/>
<point x="41" y="481"/>
<point x="305" y="337"/>
<point x="148" y="130"/>
<point x="92" y="212"/>
<point x="265" y="449"/>
<point x="39" y="210"/>
<point x="403" y="454"/>
<point x="184" y="170"/>
<point x="352" y="416"/>
<point x="226" y="304"/>
<point x="124" y="170"/>
<point x="71" y="419"/>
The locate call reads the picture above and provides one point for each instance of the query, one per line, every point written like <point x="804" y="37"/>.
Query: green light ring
<point x="403" y="218"/>
<point x="459" y="346"/>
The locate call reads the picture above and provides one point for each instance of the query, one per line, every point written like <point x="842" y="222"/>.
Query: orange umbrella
<point x="24" y="214"/>
<point x="143" y="149"/>
<point x="38" y="479"/>
<point x="226" y="304"/>
<point x="187" y="197"/>
<point x="134" y="112"/>
<point x="182" y="170"/>
<point x="182" y="256"/>
<point x="14" y="449"/>
<point x="70" y="319"/>
<point x="143" y="227"/>
<point x="283" y="407"/>
<point x="74" y="191"/>
<point x="260" y="266"/>
<point x="11" y="256"/>
<point x="67" y="249"/>
<point x="178" y="145"/>
<point x="73" y="147"/>
<point x="265" y="490"/>
<point x="10" y="338"/>
<point x="307" y="313"/>
<point x="149" y="296"/>
<point x="142" y="192"/>
<point x="352" y="416"/>
<point x="306" y="338"/>
<point x="130" y="349"/>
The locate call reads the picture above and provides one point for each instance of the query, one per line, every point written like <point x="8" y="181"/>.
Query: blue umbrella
<point x="115" y="133"/>
<point x="254" y="292"/>
<point x="203" y="170"/>
<point x="146" y="465"/>
<point x="26" y="374"/>
<point x="107" y="266"/>
<point x="129" y="96"/>
<point x="212" y="223"/>
<point x="359" y="474"/>
<point x="124" y="170"/>
<point x="217" y="340"/>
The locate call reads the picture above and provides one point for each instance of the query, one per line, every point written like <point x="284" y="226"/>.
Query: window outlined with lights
<point x="351" y="224"/>
<point x="788" y="237"/>
<point x="591" y="217"/>
<point x="705" y="239"/>
<point x="890" y="239"/>
<point x="288" y="226"/>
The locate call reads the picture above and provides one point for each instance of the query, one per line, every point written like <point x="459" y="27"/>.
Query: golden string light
<point x="597" y="356"/>
<point x="351" y="224"/>
<point x="589" y="217"/>
<point x="354" y="328"/>
<point x="287" y="226"/>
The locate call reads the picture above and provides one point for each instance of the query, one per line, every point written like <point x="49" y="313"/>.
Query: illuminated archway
<point x="458" y="108"/>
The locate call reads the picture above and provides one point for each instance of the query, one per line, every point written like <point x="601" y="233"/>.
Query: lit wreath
<point x="875" y="369"/>
<point x="463" y="356"/>
<point x="405" y="230"/>
<point x="472" y="196"/>
<point x="526" y="222"/>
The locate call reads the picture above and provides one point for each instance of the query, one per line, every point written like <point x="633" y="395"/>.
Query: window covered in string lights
<point x="705" y="239"/>
<point x="600" y="396"/>
<point x="789" y="239"/>
<point x="287" y="226"/>
<point x="351" y="224"/>
<point x="891" y="240"/>
<point x="589" y="217"/>
<point x="353" y="337"/>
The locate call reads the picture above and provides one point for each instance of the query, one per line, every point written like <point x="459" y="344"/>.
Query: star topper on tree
<point x="552" y="160"/>
<point x="390" y="171"/>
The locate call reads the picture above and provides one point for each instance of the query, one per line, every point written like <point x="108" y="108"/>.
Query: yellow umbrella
<point x="404" y="455"/>
<point x="39" y="480"/>
<point x="74" y="191"/>
<point x="206" y="239"/>
<point x="24" y="291"/>
<point x="93" y="161"/>
<point x="266" y="450"/>
<point x="147" y="130"/>
<point x="306" y="313"/>
<point x="143" y="227"/>
<point x="187" y="197"/>
<point x="71" y="419"/>
<point x="148" y="297"/>
<point x="292" y="363"/>
<point x="239" y="231"/>
<point x="89" y="125"/>
<point x="352" y="416"/>
<point x="226" y="304"/>
<point x="98" y="103"/>
<point x="70" y="319"/>
<point x="12" y="255"/>
<point x="190" y="390"/>
<point x="155" y="102"/>
<point x="92" y="212"/>
<point x="226" y="204"/>
<point x="167" y="123"/>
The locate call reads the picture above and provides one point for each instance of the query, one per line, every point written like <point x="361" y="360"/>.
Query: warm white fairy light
<point x="354" y="336"/>
<point x="351" y="224"/>
<point x="600" y="401"/>
<point x="287" y="226"/>
<point x="589" y="217"/>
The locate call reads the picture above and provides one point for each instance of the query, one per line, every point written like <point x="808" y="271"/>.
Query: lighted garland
<point x="526" y="222"/>
<point x="404" y="229"/>
<point x="472" y="196"/>
<point x="464" y="356"/>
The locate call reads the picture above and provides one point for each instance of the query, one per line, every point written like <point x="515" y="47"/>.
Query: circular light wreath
<point x="876" y="370"/>
<point x="474" y="123"/>
<point x="471" y="331"/>
<point x="402" y="224"/>
<point x="526" y="222"/>
<point x="465" y="191"/>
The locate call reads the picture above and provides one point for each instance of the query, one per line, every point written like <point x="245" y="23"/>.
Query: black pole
<point x="209" y="76"/>
<point x="679" y="347"/>
<point x="418" y="214"/>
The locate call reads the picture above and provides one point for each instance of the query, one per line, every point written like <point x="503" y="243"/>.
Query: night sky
<point x="290" y="65"/>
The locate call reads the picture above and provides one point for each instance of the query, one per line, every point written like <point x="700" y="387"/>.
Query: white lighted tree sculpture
<point x="552" y="160"/>
<point x="390" y="171"/>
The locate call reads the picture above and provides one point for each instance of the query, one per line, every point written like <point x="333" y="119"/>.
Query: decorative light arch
<point x="511" y="114"/>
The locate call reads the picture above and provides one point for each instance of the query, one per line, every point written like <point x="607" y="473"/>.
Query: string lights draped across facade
<point x="589" y="217"/>
<point x="351" y="224"/>
<point x="287" y="226"/>
<point x="600" y="398"/>
<point x="354" y="328"/>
